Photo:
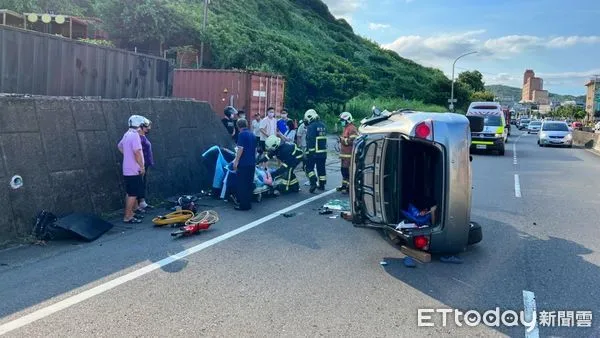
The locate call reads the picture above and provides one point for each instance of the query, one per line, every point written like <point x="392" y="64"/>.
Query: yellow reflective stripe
<point x="482" y="142"/>
<point x="353" y="136"/>
<point x="323" y="178"/>
<point x="311" y="174"/>
<point x="343" y="181"/>
<point x="284" y="165"/>
<point x="311" y="149"/>
<point x="345" y="156"/>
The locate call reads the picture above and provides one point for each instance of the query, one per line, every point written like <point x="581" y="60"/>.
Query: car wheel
<point x="501" y="151"/>
<point x="475" y="234"/>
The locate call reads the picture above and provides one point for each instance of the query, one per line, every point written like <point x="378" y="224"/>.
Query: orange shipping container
<point x="251" y="92"/>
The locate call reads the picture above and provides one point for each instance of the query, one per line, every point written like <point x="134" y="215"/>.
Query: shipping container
<point x="43" y="64"/>
<point x="252" y="92"/>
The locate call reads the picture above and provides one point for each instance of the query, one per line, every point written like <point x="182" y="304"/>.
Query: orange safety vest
<point x="346" y="143"/>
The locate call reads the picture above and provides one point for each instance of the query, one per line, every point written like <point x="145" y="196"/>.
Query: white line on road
<point x="517" y="186"/>
<point x="514" y="154"/>
<point x="78" y="298"/>
<point x="530" y="313"/>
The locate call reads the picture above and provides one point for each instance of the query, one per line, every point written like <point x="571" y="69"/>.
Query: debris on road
<point x="338" y="205"/>
<point x="383" y="263"/>
<point x="74" y="226"/>
<point x="289" y="214"/>
<point x="200" y="221"/>
<point x="451" y="259"/>
<point x="333" y="217"/>
<point x="409" y="262"/>
<point x="346" y="215"/>
<point x="325" y="211"/>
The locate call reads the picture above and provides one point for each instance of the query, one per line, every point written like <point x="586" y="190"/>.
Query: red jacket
<point x="349" y="134"/>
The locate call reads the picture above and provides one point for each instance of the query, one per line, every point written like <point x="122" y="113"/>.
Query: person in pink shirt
<point x="133" y="167"/>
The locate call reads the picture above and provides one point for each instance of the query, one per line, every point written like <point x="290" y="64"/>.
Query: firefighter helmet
<point x="311" y="115"/>
<point x="346" y="116"/>
<point x="272" y="143"/>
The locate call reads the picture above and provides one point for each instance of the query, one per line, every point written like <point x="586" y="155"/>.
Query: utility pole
<point x="203" y="32"/>
<point x="452" y="100"/>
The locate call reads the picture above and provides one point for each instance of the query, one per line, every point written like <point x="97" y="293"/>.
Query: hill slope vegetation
<point x="324" y="61"/>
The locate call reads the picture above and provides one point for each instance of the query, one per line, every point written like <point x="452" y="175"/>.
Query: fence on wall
<point x="42" y="64"/>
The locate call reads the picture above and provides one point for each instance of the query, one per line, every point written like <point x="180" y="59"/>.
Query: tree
<point x="473" y="80"/>
<point x="482" y="96"/>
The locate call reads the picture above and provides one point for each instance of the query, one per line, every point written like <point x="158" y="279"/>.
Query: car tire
<point x="501" y="151"/>
<point x="475" y="234"/>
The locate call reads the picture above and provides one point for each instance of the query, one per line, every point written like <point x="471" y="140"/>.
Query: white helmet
<point x="146" y="122"/>
<point x="135" y="121"/>
<point x="272" y="143"/>
<point x="311" y="115"/>
<point x="346" y="116"/>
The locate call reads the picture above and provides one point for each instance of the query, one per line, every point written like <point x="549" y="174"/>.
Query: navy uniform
<point x="290" y="156"/>
<point x="316" y="145"/>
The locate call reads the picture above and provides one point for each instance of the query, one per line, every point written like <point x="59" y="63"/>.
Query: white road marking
<point x="514" y="154"/>
<point x="95" y="291"/>
<point x="530" y="311"/>
<point x="517" y="186"/>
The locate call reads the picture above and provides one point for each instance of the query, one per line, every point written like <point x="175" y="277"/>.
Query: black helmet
<point x="229" y="111"/>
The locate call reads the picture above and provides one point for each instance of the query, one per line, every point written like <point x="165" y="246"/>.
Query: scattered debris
<point x="383" y="263"/>
<point x="409" y="262"/>
<point x="451" y="259"/>
<point x="16" y="182"/>
<point x="289" y="214"/>
<point x="333" y="217"/>
<point x="347" y="216"/>
<point x="325" y="211"/>
<point x="338" y="205"/>
<point x="534" y="223"/>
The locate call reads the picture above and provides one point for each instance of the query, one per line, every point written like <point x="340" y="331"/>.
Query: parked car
<point x="408" y="157"/>
<point x="534" y="127"/>
<point x="555" y="133"/>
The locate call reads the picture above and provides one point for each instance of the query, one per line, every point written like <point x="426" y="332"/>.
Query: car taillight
<point x="421" y="242"/>
<point x="424" y="130"/>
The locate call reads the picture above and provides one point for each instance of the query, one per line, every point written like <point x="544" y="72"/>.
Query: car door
<point x="365" y="196"/>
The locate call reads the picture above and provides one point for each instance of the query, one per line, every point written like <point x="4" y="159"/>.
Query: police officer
<point x="289" y="155"/>
<point x="316" y="145"/>
<point x="346" y="143"/>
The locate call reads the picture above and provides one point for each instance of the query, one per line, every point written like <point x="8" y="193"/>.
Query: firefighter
<point x="346" y="142"/>
<point x="289" y="156"/>
<point x="316" y="147"/>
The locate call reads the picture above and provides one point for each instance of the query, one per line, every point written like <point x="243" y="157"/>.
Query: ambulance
<point x="495" y="133"/>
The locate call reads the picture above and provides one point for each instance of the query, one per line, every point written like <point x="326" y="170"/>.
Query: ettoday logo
<point x="472" y="318"/>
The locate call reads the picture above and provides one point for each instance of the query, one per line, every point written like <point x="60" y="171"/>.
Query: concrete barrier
<point x="65" y="149"/>
<point x="586" y="139"/>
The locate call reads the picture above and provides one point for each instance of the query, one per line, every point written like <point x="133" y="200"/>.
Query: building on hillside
<point x="592" y="99"/>
<point x="541" y="97"/>
<point x="533" y="89"/>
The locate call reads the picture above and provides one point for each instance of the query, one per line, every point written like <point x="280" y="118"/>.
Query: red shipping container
<point x="252" y="92"/>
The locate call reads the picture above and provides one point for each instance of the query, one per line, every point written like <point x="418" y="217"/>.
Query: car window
<point x="535" y="124"/>
<point x="485" y="107"/>
<point x="555" y="127"/>
<point x="525" y="121"/>
<point x="493" y="120"/>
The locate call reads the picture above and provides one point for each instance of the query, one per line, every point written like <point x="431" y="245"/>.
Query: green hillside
<point x="501" y="90"/>
<point x="325" y="62"/>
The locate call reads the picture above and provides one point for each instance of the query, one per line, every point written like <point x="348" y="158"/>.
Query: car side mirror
<point x="476" y="123"/>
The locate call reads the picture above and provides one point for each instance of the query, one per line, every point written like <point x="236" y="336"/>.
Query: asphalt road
<point x="310" y="275"/>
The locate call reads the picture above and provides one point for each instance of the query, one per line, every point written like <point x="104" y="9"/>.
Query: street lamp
<point x="452" y="100"/>
<point x="206" y="2"/>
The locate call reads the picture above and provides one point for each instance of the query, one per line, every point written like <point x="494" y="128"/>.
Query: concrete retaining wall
<point x="66" y="151"/>
<point x="586" y="139"/>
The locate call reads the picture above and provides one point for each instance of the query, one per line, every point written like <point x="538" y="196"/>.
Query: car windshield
<point x="525" y="121"/>
<point x="535" y="124"/>
<point x="555" y="127"/>
<point x="493" y="120"/>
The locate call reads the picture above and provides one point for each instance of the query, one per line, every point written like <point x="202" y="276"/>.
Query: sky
<point x="558" y="39"/>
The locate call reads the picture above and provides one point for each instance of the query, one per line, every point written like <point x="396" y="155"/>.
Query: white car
<point x="534" y="127"/>
<point x="555" y="133"/>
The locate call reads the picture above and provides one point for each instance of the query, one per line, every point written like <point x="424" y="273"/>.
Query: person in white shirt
<point x="256" y="130"/>
<point x="268" y="126"/>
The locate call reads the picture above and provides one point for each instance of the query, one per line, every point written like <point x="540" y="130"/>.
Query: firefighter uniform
<point x="347" y="138"/>
<point x="316" y="145"/>
<point x="289" y="156"/>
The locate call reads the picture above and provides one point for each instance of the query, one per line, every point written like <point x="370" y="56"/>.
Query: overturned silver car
<point x="407" y="160"/>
